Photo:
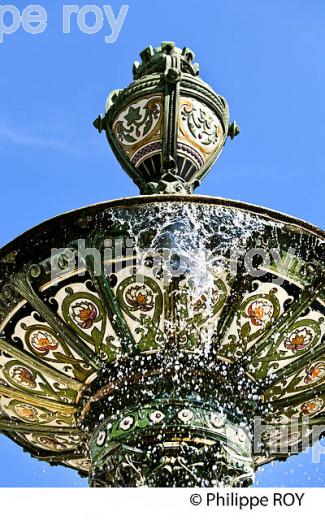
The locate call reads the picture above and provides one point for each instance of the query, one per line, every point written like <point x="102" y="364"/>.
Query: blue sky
<point x="266" y="57"/>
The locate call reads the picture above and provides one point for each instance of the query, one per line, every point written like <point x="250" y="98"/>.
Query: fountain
<point x="167" y="339"/>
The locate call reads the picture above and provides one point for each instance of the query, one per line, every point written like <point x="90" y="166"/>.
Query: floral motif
<point x="84" y="314"/>
<point x="24" y="376"/>
<point x="185" y="415"/>
<point x="299" y="339"/>
<point x="43" y="342"/>
<point x="26" y="411"/>
<point x="126" y="423"/>
<point x="260" y="312"/>
<point x="156" y="417"/>
<point x="315" y="373"/>
<point x="51" y="443"/>
<point x="311" y="407"/>
<point x="203" y="125"/>
<point x="140" y="297"/>
<point x="137" y="121"/>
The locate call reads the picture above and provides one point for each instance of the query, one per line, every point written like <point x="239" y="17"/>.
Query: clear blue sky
<point x="266" y="57"/>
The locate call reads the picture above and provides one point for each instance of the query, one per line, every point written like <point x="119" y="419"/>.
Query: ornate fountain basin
<point x="163" y="325"/>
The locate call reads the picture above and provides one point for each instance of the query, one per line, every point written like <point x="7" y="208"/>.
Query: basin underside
<point x="178" y="316"/>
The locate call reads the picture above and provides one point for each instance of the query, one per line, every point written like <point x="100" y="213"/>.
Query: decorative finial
<point x="168" y="127"/>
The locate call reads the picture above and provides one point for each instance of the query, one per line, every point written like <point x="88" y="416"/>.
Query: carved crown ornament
<point x="168" y="127"/>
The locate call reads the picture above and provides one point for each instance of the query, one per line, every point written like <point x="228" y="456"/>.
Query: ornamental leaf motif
<point x="138" y="120"/>
<point x="202" y="124"/>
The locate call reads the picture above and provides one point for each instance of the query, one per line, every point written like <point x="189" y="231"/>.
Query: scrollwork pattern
<point x="138" y="120"/>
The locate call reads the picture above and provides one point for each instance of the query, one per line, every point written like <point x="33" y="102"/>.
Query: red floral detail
<point x="299" y="339"/>
<point x="43" y="342"/>
<point x="140" y="297"/>
<point x="315" y="373"/>
<point x="260" y="312"/>
<point x="24" y="376"/>
<point x="26" y="411"/>
<point x="84" y="314"/>
<point x="311" y="407"/>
